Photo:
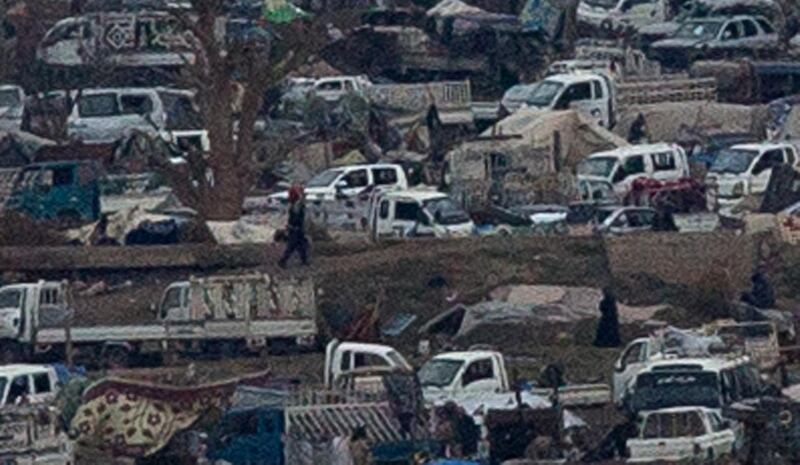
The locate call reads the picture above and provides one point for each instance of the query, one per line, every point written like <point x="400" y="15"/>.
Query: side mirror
<point x="619" y="367"/>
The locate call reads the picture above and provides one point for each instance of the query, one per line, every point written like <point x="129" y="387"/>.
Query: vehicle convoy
<point x="716" y="37"/>
<point x="744" y="170"/>
<point x="446" y="376"/>
<point x="681" y="434"/>
<point x="32" y="435"/>
<point x="27" y="384"/>
<point x="416" y="213"/>
<point x="758" y="341"/>
<point x="221" y="314"/>
<point x="347" y="181"/>
<point x="624" y="166"/>
<point x="599" y="96"/>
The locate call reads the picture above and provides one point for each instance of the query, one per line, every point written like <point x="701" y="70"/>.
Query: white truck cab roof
<point x="467" y="356"/>
<point x="419" y="195"/>
<point x="634" y="150"/>
<point x="23" y="369"/>
<point x="695" y="363"/>
<point x="573" y="77"/>
<point x="762" y="146"/>
<point x="682" y="409"/>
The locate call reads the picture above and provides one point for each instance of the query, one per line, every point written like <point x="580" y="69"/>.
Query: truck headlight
<point x="738" y="189"/>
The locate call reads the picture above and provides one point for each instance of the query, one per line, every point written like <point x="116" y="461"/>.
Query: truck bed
<point x="182" y="331"/>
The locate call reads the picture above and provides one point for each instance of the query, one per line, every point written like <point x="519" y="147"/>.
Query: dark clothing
<point x="295" y="235"/>
<point x="608" y="328"/>
<point x="638" y="131"/>
<point x="761" y="295"/>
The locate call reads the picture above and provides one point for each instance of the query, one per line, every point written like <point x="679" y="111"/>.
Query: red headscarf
<point x="295" y="193"/>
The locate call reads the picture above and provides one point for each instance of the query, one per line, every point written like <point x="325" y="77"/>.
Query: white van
<point x="347" y="181"/>
<point x="27" y="384"/>
<point x="417" y="213"/>
<point x="622" y="166"/>
<point x="744" y="170"/>
<point x="108" y="115"/>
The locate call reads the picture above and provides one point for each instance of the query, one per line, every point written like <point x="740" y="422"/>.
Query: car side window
<point x="789" y="156"/>
<point x="749" y="28"/>
<point x="357" y="178"/>
<point x="384" y="210"/>
<point x="574" y="93"/>
<point x="765" y="26"/>
<point x="384" y="176"/>
<point x="768" y="160"/>
<point x="347" y="356"/>
<point x="41" y="383"/>
<point x="406" y="211"/>
<point x="664" y="161"/>
<point x="477" y="371"/>
<point x="731" y="31"/>
<point x="20" y="387"/>
<point x="652" y="427"/>
<point x="634" y="165"/>
<point x="634" y="354"/>
<point x="597" y="89"/>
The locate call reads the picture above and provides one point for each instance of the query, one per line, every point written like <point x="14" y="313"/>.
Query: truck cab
<point x="342" y="358"/>
<point x="29" y="384"/>
<point x="417" y="213"/>
<point x="347" y="181"/>
<point x="590" y="93"/>
<point x="26" y="306"/>
<point x="65" y="191"/>
<point x="622" y="166"/>
<point x="453" y="373"/>
<point x="332" y="89"/>
<point x="745" y="169"/>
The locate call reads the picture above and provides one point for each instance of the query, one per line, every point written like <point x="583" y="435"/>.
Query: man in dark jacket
<point x="762" y="294"/>
<point x="295" y="228"/>
<point x="608" y="328"/>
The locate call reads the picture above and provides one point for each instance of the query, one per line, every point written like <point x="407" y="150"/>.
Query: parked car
<point x="716" y="37"/>
<point x="745" y="170"/>
<point x="705" y="152"/>
<point x="681" y="434"/>
<point x="106" y="115"/>
<point x="27" y="384"/>
<point x="615" y="16"/>
<point x="625" y="220"/>
<point x="622" y="166"/>
<point x="332" y="89"/>
<point x="417" y="213"/>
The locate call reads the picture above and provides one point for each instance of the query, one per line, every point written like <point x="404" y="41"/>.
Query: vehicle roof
<point x="569" y="78"/>
<point x="418" y="195"/>
<point x="758" y="146"/>
<point x="681" y="409"/>
<point x="706" y="364"/>
<point x="10" y="87"/>
<point x="21" y="369"/>
<point x="633" y="150"/>
<point x="55" y="164"/>
<point x="102" y="90"/>
<point x="365" y="165"/>
<point x="376" y="348"/>
<point x="466" y="356"/>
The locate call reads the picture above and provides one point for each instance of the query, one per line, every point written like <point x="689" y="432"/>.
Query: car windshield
<point x="398" y="359"/>
<point x="597" y="166"/>
<point x="698" y="30"/>
<point x="445" y="211"/>
<point x="607" y="4"/>
<point x="661" y="390"/>
<point x="519" y="92"/>
<point x="733" y="161"/>
<point x="9" y="98"/>
<point x="439" y="372"/>
<point x="324" y="179"/>
<point x="544" y="93"/>
<point x="10" y="298"/>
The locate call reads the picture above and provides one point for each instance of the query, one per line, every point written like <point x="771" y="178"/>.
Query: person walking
<point x="295" y="228"/>
<point x="608" y="328"/>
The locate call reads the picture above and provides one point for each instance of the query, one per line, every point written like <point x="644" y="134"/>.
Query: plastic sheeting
<point x="688" y="343"/>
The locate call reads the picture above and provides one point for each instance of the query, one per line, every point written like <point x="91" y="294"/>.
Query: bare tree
<point x="216" y="183"/>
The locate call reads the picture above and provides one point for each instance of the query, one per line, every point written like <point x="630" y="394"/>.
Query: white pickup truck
<point x="598" y="96"/>
<point x="223" y="314"/>
<point x="416" y="213"/>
